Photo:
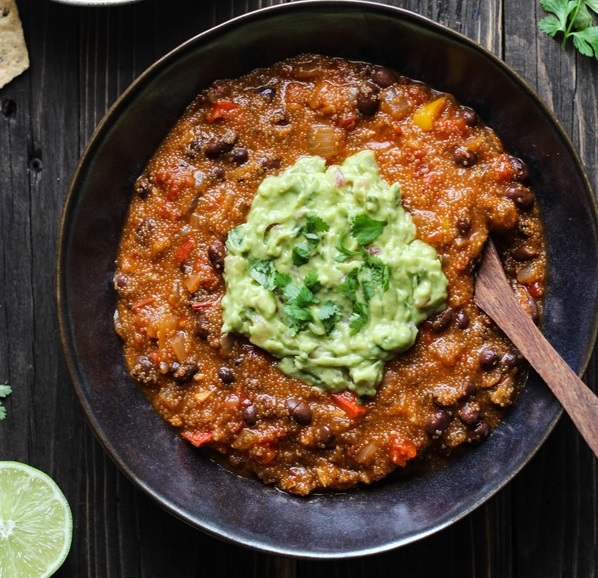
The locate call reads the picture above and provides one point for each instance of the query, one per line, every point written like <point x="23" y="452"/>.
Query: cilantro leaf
<point x="358" y="318"/>
<point x="561" y="10"/>
<point x="311" y="231"/>
<point x="263" y="271"/>
<point x="350" y="285"/>
<point x="315" y="225"/>
<point x="312" y="282"/>
<point x="586" y="41"/>
<point x="366" y="230"/>
<point x="329" y="313"/>
<point x="281" y="280"/>
<point x="301" y="253"/>
<point x="378" y="270"/>
<point x="573" y="20"/>
<point x="550" y="25"/>
<point x="299" y="317"/>
<point x="5" y="391"/>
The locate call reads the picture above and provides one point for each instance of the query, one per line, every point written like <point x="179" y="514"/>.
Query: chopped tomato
<point x="209" y="278"/>
<point x="223" y="109"/>
<point x="536" y="290"/>
<point x="197" y="438"/>
<point x="349" y="404"/>
<point x="184" y="250"/>
<point x="503" y="168"/>
<point x="448" y="127"/>
<point x="175" y="180"/>
<point x="401" y="451"/>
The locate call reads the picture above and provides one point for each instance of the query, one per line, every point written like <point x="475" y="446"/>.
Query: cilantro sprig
<point x="572" y="19"/>
<point x="300" y="301"/>
<point x="311" y="231"/>
<point x="5" y="391"/>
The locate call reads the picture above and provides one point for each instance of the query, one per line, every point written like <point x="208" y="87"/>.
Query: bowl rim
<point x="104" y="126"/>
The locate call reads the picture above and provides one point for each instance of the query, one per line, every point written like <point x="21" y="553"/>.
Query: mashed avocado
<point x="327" y="275"/>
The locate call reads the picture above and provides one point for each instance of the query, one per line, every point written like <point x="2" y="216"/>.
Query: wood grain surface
<point x="544" y="524"/>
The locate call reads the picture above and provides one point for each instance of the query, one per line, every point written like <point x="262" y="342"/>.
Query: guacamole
<point x="327" y="275"/>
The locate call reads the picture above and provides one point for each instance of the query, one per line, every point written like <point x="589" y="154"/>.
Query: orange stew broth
<point x="220" y="392"/>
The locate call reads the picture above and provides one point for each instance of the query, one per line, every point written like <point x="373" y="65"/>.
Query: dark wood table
<point x="543" y="524"/>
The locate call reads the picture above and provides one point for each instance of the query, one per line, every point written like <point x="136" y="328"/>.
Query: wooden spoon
<point x="494" y="295"/>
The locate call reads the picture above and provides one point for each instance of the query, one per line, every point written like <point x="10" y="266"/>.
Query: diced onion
<point x="178" y="346"/>
<point x="529" y="274"/>
<point x="323" y="141"/>
<point x="366" y="453"/>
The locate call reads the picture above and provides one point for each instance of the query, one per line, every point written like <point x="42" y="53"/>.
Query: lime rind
<point x="36" y="524"/>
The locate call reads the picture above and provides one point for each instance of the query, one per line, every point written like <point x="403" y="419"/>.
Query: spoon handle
<point x="494" y="295"/>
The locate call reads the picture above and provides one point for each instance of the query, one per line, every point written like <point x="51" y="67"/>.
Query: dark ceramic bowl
<point x="181" y="479"/>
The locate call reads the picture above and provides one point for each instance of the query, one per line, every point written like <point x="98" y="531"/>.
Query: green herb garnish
<point x="329" y="313"/>
<point x="298" y="300"/>
<point x="366" y="230"/>
<point x="311" y="231"/>
<point x="5" y="391"/>
<point x="572" y="19"/>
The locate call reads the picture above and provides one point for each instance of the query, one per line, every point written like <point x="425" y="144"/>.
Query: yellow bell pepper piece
<point x="425" y="116"/>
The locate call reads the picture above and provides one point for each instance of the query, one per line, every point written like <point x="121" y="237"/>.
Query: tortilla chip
<point x="14" y="57"/>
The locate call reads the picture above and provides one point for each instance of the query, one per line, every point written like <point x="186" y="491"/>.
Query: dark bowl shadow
<point x="181" y="479"/>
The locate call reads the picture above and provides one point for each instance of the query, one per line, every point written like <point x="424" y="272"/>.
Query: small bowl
<point x="149" y="452"/>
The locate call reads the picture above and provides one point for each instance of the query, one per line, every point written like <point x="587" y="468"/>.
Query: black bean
<point x="217" y="173"/>
<point x="465" y="157"/>
<point x="462" y="320"/>
<point x="323" y="437"/>
<point x="226" y="375"/>
<point x="145" y="370"/>
<point x="267" y="93"/>
<point x="469" y="414"/>
<point x="463" y="226"/>
<point x="488" y="358"/>
<point x="120" y="281"/>
<point x="533" y="309"/>
<point x="442" y="320"/>
<point x="512" y="358"/>
<point x="481" y="430"/>
<point x="202" y="327"/>
<point x="239" y="155"/>
<point x="367" y="100"/>
<point x="142" y="190"/>
<point x="217" y="254"/>
<point x="218" y="146"/>
<point x="383" y="76"/>
<point x="437" y="423"/>
<point x="470" y="116"/>
<point x="469" y="388"/>
<point x="270" y="164"/>
<point x="250" y="415"/>
<point x="521" y="171"/>
<point x="524" y="253"/>
<point x="183" y="372"/>
<point x="523" y="197"/>
<point x="300" y="411"/>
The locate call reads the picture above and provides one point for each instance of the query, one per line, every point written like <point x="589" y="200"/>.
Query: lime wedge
<point x="36" y="523"/>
